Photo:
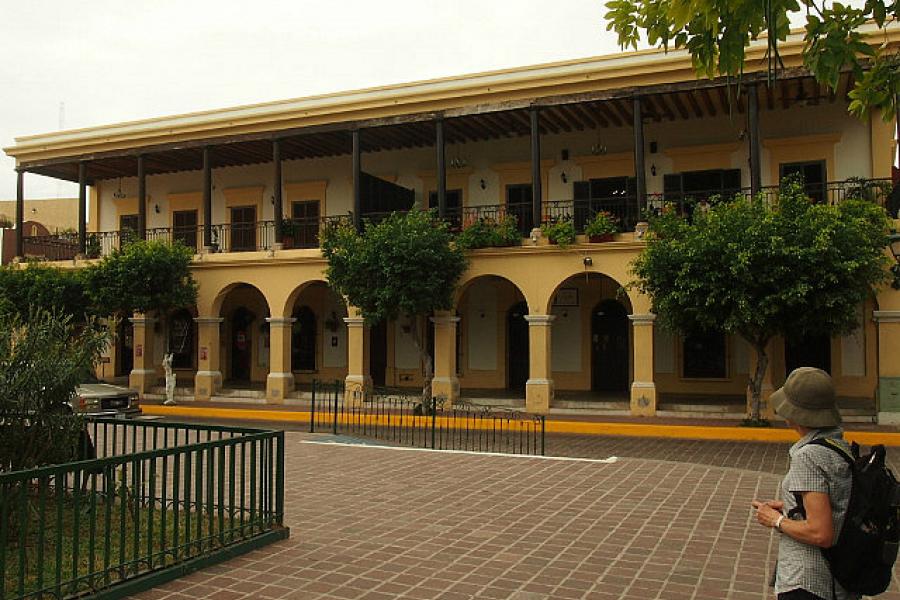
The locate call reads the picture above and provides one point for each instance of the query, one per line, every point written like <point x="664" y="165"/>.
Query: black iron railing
<point x="623" y="208"/>
<point x="406" y="421"/>
<point x="306" y="233"/>
<point x="157" y="495"/>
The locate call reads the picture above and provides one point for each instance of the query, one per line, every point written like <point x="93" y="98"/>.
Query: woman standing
<point x="815" y="492"/>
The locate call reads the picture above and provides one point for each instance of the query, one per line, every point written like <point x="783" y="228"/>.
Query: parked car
<point x="106" y="400"/>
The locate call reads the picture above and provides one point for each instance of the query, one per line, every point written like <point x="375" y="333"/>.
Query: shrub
<point x="561" y="231"/>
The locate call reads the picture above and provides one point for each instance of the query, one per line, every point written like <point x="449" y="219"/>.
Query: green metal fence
<point x="158" y="500"/>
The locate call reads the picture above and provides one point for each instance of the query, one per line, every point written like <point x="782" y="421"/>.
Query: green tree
<point x="42" y="358"/>
<point x="405" y="266"/>
<point x="40" y="287"/>
<point x="144" y="277"/>
<point x="760" y="271"/>
<point x="717" y="32"/>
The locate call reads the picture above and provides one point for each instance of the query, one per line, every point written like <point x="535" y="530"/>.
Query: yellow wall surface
<point x="56" y="214"/>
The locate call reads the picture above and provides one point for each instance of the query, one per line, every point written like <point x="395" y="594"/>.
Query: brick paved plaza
<point x="668" y="519"/>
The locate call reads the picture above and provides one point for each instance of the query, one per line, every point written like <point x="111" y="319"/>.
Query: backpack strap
<point x="825" y="443"/>
<point x="832" y="444"/>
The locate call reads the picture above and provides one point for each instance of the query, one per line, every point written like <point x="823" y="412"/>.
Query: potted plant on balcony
<point x="560" y="231"/>
<point x="602" y="227"/>
<point x="288" y="233"/>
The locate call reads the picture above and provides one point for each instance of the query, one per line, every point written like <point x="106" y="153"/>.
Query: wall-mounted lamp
<point x="653" y="170"/>
<point x="156" y="208"/>
<point x="588" y="261"/>
<point x="481" y="315"/>
<point x="33" y="210"/>
<point x="564" y="177"/>
<point x="483" y="184"/>
<point x="272" y="200"/>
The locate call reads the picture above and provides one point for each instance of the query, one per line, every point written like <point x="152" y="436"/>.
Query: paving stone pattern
<point x="670" y="520"/>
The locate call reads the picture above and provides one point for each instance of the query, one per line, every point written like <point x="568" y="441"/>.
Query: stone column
<point x="888" y="322"/>
<point x="445" y="382"/>
<point x="209" y="378"/>
<point x="643" y="388"/>
<point x="358" y="380"/>
<point x="280" y="381"/>
<point x="539" y="387"/>
<point x="143" y="375"/>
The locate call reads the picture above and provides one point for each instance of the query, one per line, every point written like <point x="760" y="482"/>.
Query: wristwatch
<point x="778" y="522"/>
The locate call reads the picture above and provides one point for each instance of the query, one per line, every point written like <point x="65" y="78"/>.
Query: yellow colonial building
<point x="552" y="327"/>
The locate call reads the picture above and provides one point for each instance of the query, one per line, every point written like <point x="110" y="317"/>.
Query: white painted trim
<point x="280" y="321"/>
<point x="143" y="371"/>
<point x="280" y="376"/>
<point x="208" y="320"/>
<point x="889" y="418"/>
<point x="642" y="319"/>
<point x="208" y="374"/>
<point x="142" y="320"/>
<point x="444" y="320"/>
<point x="354" y="321"/>
<point x="643" y="385"/>
<point x="607" y="461"/>
<point x="539" y="382"/>
<point x="886" y="316"/>
<point x="540" y="320"/>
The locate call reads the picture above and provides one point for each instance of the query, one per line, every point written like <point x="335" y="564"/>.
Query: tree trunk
<point x="762" y="364"/>
<point x="426" y="362"/>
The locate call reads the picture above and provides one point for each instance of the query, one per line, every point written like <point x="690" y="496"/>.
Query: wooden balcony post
<point x="82" y="208"/>
<point x="535" y="168"/>
<point x="279" y="211"/>
<point x="753" y="125"/>
<point x="357" y="180"/>
<point x="20" y="213"/>
<point x="640" y="171"/>
<point x="441" y="169"/>
<point x="142" y="198"/>
<point x="207" y="200"/>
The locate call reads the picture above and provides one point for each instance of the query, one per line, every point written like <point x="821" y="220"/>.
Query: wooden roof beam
<point x="679" y="105"/>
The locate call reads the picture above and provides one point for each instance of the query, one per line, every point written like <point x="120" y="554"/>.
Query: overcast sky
<point x="107" y="61"/>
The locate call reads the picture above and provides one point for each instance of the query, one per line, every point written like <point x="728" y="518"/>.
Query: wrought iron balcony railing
<point x="305" y="232"/>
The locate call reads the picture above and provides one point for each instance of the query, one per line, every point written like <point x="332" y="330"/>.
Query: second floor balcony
<point x="256" y="236"/>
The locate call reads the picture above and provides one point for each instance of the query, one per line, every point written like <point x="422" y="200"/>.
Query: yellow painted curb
<point x="650" y="430"/>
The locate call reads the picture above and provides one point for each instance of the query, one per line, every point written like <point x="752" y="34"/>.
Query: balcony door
<point x="128" y="226"/>
<point x="243" y="228"/>
<point x="518" y="204"/>
<point x="454" y="206"/>
<point x="814" y="176"/>
<point x="305" y="219"/>
<point x="184" y="228"/>
<point x="615" y="195"/>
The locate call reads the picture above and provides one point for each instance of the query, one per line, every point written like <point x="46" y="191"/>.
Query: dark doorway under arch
<point x="241" y="344"/>
<point x="378" y="353"/>
<point x="517" y="354"/>
<point x="808" y="351"/>
<point x="609" y="347"/>
<point x="125" y="348"/>
<point x="181" y="339"/>
<point x="303" y="346"/>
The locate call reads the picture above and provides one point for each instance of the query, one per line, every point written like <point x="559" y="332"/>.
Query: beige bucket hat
<point x="807" y="399"/>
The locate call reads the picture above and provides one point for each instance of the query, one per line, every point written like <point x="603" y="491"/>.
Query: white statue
<point x="170" y="380"/>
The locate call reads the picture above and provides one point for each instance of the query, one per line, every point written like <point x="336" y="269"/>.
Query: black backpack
<point x="862" y="558"/>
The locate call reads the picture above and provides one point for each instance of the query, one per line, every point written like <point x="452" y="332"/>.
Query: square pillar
<point x="209" y="378"/>
<point x="445" y="382"/>
<point x="280" y="381"/>
<point x="888" y="393"/>
<point x="358" y="380"/>
<point x="143" y="375"/>
<point x="539" y="387"/>
<point x="643" y="387"/>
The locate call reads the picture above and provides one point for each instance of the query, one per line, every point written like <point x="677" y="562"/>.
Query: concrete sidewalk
<point x="590" y="425"/>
